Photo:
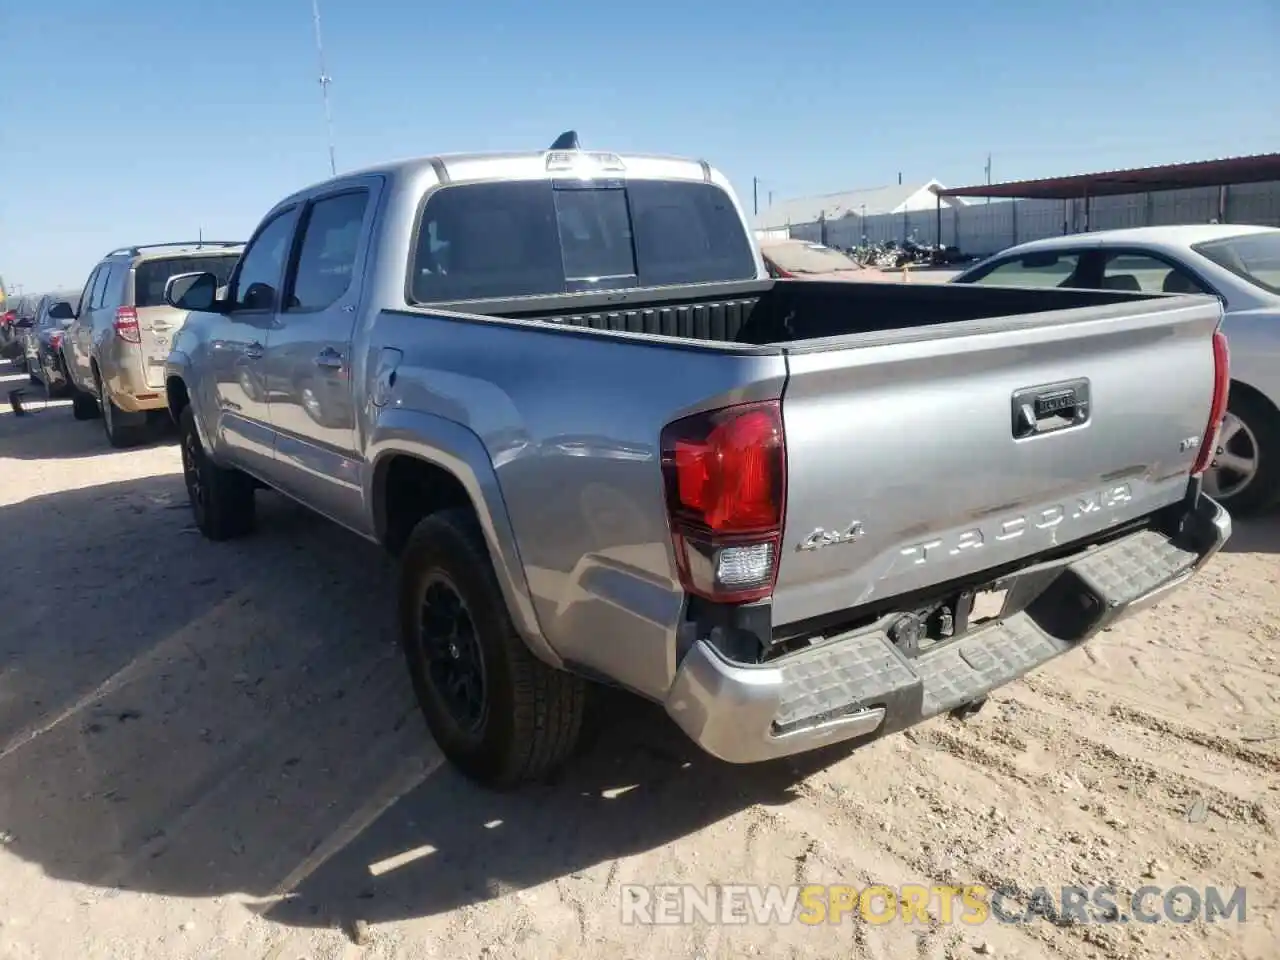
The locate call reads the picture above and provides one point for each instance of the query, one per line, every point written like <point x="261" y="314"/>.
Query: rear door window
<point x="1139" y="271"/>
<point x="327" y="258"/>
<point x="90" y="285"/>
<point x="109" y="289"/>
<point x="99" y="286"/>
<point x="43" y="320"/>
<point x="531" y="238"/>
<point x="151" y="276"/>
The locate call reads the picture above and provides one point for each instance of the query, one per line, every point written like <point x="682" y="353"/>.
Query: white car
<point x="1238" y="264"/>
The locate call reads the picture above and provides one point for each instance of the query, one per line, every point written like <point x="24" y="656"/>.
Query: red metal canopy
<point x="1176" y="176"/>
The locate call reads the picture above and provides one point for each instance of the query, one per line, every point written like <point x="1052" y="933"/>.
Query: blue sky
<point x="151" y="119"/>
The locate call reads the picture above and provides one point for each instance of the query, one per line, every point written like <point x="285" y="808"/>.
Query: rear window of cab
<point x="542" y="237"/>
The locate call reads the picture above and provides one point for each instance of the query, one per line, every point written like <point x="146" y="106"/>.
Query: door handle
<point x="1049" y="407"/>
<point x="329" y="359"/>
<point x="253" y="350"/>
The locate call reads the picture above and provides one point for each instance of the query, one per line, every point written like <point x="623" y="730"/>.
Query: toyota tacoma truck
<point x="605" y="446"/>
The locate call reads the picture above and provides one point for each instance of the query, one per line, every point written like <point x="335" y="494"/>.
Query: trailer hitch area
<point x="967" y="710"/>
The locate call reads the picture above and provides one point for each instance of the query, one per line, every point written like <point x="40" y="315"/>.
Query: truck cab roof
<point x="425" y="171"/>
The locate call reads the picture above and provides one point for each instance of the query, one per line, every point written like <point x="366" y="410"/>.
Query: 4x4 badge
<point x="825" y="538"/>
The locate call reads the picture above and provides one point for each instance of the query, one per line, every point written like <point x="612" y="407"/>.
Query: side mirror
<point x="192" y="291"/>
<point x="62" y="310"/>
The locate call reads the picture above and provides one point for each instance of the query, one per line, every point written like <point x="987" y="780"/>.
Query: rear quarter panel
<point x="570" y="421"/>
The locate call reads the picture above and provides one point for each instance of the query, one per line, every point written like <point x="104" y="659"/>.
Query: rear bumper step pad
<point x="861" y="685"/>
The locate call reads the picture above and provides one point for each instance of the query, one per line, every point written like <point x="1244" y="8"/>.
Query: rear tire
<point x="516" y="719"/>
<point x="121" y="433"/>
<point x="1251" y="438"/>
<point x="84" y="406"/>
<point x="221" y="498"/>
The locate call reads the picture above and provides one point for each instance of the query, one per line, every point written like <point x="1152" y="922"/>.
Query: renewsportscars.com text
<point x="971" y="904"/>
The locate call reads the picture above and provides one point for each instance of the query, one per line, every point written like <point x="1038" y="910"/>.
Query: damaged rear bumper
<point x="859" y="685"/>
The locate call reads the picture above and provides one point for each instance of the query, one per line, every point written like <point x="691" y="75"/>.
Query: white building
<point x="869" y="202"/>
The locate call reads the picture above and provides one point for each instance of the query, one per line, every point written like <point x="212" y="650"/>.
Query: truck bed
<point x="762" y="313"/>
<point x="900" y="409"/>
<point x="909" y="469"/>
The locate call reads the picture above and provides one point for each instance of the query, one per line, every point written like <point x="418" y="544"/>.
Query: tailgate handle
<point x="1050" y="407"/>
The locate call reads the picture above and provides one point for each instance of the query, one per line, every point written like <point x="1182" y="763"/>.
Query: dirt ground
<point x="211" y="751"/>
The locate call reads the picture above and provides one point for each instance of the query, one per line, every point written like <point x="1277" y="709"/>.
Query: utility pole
<point x="324" y="85"/>
<point x="755" y="195"/>
<point x="988" y="173"/>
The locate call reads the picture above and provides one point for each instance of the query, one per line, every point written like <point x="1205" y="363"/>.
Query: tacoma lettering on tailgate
<point x="1046" y="518"/>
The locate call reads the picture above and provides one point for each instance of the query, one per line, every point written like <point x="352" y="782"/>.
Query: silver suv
<point x="116" y="346"/>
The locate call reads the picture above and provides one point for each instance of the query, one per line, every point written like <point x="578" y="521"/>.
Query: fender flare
<point x="460" y="452"/>
<point x="177" y="365"/>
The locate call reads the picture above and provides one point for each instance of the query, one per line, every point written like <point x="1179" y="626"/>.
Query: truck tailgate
<point x="922" y="456"/>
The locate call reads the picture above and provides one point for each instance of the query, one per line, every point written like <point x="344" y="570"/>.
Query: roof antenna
<point x="325" y="80"/>
<point x="567" y="141"/>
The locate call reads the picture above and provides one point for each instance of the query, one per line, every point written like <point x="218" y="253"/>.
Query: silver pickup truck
<point x="605" y="446"/>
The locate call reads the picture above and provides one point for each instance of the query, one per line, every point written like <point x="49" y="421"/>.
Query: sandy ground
<point x="212" y="751"/>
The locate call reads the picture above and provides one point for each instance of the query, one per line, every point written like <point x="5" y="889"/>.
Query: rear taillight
<point x="725" y="473"/>
<point x="1218" y="409"/>
<point x="55" y="340"/>
<point x="7" y="318"/>
<point x="127" y="325"/>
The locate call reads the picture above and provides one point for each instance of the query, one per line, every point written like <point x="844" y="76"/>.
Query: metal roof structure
<point x="1258" y="168"/>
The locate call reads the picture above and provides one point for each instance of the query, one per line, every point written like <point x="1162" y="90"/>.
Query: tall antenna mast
<point x="324" y="85"/>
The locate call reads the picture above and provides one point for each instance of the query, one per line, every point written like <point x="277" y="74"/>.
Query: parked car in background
<point x="9" y="335"/>
<point x="20" y="316"/>
<point x="1240" y="265"/>
<point x="805" y="260"/>
<point x="42" y="341"/>
<point x="7" y="316"/>
<point x="604" y="444"/>
<point x="115" y="349"/>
